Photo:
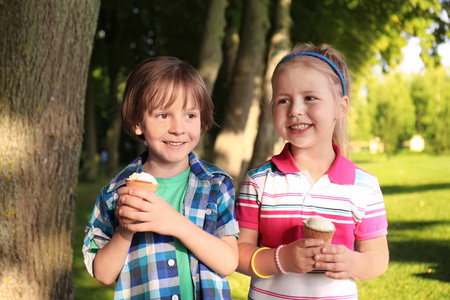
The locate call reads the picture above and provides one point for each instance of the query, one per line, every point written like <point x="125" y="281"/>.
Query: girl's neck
<point x="317" y="162"/>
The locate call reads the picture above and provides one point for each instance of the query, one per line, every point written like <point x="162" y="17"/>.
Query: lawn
<point x="417" y="196"/>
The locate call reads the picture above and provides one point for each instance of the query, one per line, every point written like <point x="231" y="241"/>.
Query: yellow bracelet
<point x="253" y="263"/>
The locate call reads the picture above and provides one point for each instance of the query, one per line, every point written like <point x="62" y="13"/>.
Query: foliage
<point x="391" y="110"/>
<point x="430" y="92"/>
<point x="417" y="197"/>
<point x="369" y="32"/>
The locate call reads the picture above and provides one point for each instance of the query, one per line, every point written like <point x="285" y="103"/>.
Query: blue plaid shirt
<point x="150" y="270"/>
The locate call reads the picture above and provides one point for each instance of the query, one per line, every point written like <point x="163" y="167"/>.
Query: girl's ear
<point x="342" y="108"/>
<point x="138" y="130"/>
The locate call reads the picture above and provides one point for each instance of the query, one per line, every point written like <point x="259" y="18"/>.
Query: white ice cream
<point x="320" y="223"/>
<point x="143" y="177"/>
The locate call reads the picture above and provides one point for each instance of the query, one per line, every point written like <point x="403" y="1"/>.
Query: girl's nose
<point x="297" y="108"/>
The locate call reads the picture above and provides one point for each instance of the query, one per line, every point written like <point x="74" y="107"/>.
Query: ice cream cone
<point x="318" y="233"/>
<point x="142" y="185"/>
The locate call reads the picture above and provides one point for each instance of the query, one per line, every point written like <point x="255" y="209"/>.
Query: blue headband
<point x="322" y="58"/>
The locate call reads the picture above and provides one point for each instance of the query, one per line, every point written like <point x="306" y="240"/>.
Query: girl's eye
<point x="191" y="116"/>
<point x="310" y="98"/>
<point x="283" y="101"/>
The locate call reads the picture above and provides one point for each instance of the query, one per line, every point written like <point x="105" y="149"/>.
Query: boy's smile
<point x="171" y="134"/>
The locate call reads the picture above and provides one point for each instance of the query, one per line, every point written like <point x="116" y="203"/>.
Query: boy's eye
<point x="191" y="116"/>
<point x="162" y="116"/>
<point x="310" y="98"/>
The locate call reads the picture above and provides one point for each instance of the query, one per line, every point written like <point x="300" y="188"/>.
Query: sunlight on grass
<point x="416" y="189"/>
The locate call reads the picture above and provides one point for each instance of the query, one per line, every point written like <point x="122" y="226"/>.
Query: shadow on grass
<point x="433" y="252"/>
<point x="405" y="189"/>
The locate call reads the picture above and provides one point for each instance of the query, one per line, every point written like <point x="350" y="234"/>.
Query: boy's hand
<point x="298" y="256"/>
<point x="338" y="260"/>
<point x="144" y="211"/>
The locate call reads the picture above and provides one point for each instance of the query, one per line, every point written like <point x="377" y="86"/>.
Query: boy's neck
<point x="165" y="170"/>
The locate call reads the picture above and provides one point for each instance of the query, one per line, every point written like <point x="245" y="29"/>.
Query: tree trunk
<point x="210" y="58"/>
<point x="268" y="141"/>
<point x="211" y="47"/>
<point x="234" y="143"/>
<point x="44" y="58"/>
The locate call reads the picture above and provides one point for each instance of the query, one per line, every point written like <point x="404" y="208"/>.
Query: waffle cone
<point x="142" y="185"/>
<point x="311" y="233"/>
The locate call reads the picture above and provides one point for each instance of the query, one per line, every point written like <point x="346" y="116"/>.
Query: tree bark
<point x="268" y="141"/>
<point x="211" y="47"/>
<point x="44" y="57"/>
<point x="234" y="143"/>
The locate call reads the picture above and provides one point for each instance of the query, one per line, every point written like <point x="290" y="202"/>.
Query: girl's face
<point x="171" y="134"/>
<point x="305" y="109"/>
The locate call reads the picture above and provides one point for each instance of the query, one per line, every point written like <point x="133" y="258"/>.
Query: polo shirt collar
<point x="342" y="171"/>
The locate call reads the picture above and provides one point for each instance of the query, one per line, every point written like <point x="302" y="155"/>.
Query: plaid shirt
<point x="150" y="270"/>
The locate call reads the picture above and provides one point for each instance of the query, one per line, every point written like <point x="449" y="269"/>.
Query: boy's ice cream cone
<point x="142" y="181"/>
<point x="317" y="227"/>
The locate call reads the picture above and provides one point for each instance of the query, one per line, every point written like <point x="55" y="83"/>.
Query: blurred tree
<point x="247" y="71"/>
<point x="392" y="111"/>
<point x="211" y="46"/>
<point x="44" y="57"/>
<point x="279" y="45"/>
<point x="430" y="92"/>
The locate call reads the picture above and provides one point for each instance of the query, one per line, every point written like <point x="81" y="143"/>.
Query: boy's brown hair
<point x="157" y="82"/>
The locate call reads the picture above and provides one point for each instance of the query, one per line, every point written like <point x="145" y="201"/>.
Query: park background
<point x="63" y="66"/>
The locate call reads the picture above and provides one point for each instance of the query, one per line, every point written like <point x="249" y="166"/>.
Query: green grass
<point x="417" y="195"/>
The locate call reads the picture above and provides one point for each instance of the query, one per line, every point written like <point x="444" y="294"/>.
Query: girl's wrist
<point x="278" y="260"/>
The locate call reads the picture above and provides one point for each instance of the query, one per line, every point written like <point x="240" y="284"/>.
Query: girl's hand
<point x="298" y="256"/>
<point x="338" y="260"/>
<point x="144" y="211"/>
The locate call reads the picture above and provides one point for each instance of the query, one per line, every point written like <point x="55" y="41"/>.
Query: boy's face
<point x="171" y="134"/>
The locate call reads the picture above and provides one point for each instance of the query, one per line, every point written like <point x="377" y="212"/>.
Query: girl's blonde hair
<point x="340" y="134"/>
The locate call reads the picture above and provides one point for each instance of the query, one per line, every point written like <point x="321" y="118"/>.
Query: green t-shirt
<point x="173" y="191"/>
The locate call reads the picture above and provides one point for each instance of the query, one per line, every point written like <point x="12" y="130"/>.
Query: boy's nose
<point x="177" y="126"/>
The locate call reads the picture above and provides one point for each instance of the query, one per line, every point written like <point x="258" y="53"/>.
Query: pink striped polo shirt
<point x="276" y="197"/>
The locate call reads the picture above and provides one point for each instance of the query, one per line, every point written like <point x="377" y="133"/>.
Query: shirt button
<point x="175" y="297"/>
<point x="208" y="211"/>
<point x="171" y="263"/>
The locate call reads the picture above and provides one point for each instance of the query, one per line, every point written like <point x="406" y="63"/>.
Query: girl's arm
<point x="370" y="261"/>
<point x="295" y="257"/>
<point x="155" y="214"/>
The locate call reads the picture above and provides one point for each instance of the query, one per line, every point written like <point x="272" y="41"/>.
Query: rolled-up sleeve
<point x="100" y="228"/>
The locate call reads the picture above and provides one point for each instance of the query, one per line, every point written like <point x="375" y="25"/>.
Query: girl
<point x="310" y="177"/>
<point x="180" y="242"/>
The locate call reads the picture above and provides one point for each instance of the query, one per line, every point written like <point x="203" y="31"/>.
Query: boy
<point x="181" y="241"/>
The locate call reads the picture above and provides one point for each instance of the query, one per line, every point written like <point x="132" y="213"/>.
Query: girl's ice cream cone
<point x="317" y="227"/>
<point x="142" y="181"/>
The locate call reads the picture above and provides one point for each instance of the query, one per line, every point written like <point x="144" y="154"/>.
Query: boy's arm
<point x="219" y="254"/>
<point x="155" y="214"/>
<point x="110" y="259"/>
